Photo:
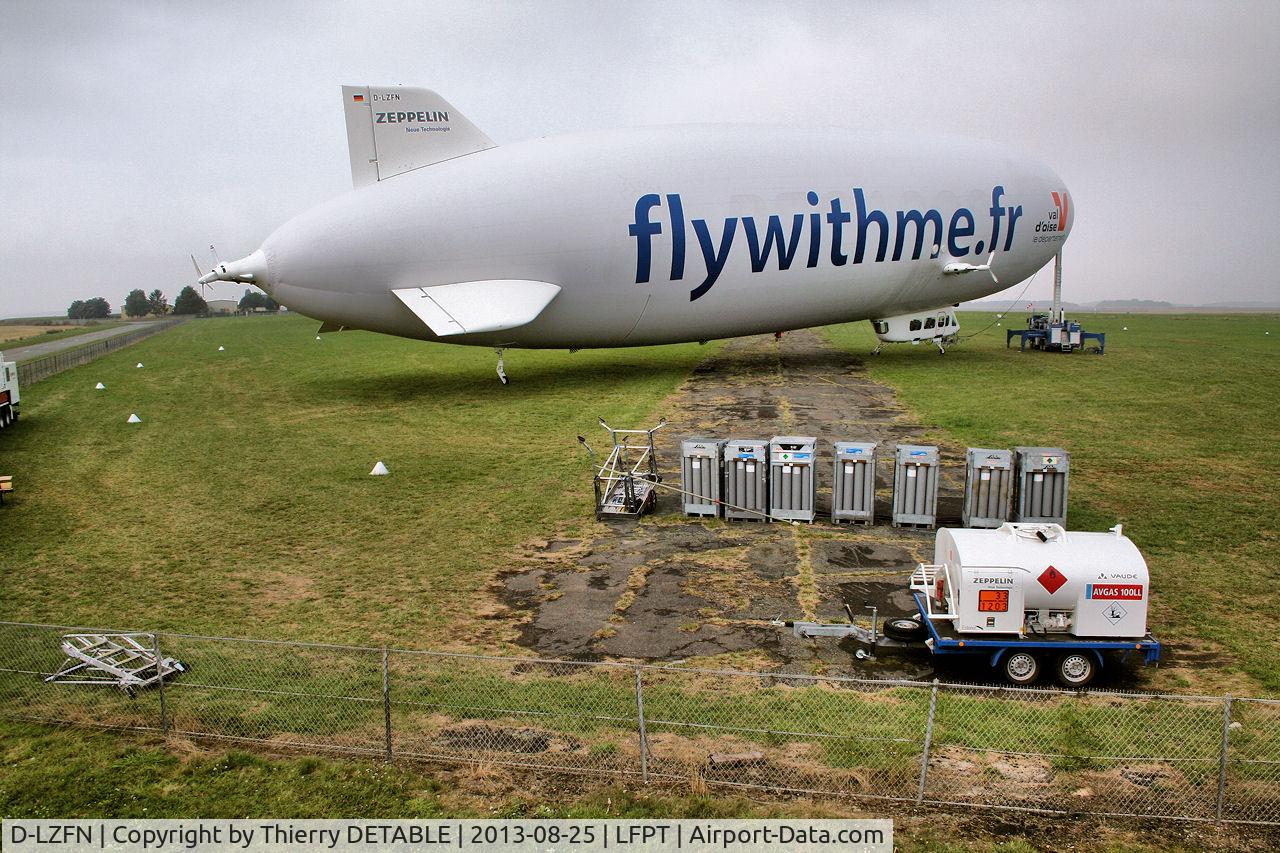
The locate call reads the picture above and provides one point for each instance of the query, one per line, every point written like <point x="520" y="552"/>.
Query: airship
<point x="651" y="235"/>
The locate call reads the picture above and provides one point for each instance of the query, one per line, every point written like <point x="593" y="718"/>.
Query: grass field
<point x="1172" y="433"/>
<point x="242" y="503"/>
<point x="131" y="776"/>
<point x="13" y="336"/>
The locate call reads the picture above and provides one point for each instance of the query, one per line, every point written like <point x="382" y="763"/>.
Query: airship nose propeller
<point x="251" y="269"/>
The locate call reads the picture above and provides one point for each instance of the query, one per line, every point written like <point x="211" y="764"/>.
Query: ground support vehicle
<point x="1027" y="597"/>
<point x="9" y="395"/>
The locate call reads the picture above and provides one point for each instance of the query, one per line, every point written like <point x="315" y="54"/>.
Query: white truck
<point x="8" y="392"/>
<point x="1028" y="597"/>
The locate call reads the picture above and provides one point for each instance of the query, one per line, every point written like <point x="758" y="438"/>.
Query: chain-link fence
<point x="1168" y="756"/>
<point x="31" y="372"/>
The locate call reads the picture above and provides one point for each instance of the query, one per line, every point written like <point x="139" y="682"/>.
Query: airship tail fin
<point x="395" y="129"/>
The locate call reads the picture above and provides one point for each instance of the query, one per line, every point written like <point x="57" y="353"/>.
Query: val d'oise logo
<point x="1061" y="202"/>
<point x="1058" y="217"/>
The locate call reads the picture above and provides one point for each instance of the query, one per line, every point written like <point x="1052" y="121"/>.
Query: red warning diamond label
<point x="1052" y="579"/>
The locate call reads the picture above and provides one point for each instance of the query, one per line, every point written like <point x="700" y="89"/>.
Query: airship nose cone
<point x="251" y="269"/>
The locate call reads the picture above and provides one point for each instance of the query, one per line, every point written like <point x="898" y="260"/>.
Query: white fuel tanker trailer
<point x="1027" y="596"/>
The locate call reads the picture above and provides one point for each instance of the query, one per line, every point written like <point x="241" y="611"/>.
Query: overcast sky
<point x="133" y="134"/>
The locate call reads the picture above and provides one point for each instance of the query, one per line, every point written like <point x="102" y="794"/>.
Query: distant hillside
<point x="1021" y="306"/>
<point x="1120" y="306"/>
<point x="1113" y="306"/>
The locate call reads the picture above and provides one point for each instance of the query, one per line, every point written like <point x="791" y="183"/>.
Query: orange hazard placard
<point x="993" y="601"/>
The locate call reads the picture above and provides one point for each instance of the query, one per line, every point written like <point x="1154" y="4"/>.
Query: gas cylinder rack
<point x="746" y="479"/>
<point x="700" y="477"/>
<point x="791" y="482"/>
<point x="853" y="482"/>
<point x="988" y="487"/>
<point x="1041" y="485"/>
<point x="915" y="486"/>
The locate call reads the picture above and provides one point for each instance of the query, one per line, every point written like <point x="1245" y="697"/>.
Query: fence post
<point x="1222" y="753"/>
<point x="928" y="740"/>
<point x="386" y="700"/>
<point x="164" y="705"/>
<point x="644" y="734"/>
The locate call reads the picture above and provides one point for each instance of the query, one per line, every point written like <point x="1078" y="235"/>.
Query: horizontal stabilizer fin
<point x="395" y="129"/>
<point x="469" y="307"/>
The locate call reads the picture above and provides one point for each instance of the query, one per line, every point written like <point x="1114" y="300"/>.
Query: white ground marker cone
<point x="379" y="470"/>
<point x="221" y="349"/>
<point x="139" y="364"/>
<point x="317" y="337"/>
<point x="1125" y="329"/>
<point x="99" y="387"/>
<point x="134" y="419"/>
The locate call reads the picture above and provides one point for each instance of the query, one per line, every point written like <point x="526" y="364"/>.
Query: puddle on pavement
<point x="889" y="597"/>
<point x="835" y="555"/>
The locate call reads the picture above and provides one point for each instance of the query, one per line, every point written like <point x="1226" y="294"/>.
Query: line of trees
<point x="139" y="304"/>
<point x="189" y="302"/>
<point x="96" y="308"/>
<point x="252" y="300"/>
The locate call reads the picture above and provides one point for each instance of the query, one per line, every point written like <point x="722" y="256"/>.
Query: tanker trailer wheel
<point x="904" y="629"/>
<point x="1021" y="668"/>
<point x="1076" y="669"/>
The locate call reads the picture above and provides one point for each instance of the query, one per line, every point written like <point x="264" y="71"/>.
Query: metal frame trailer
<point x="625" y="483"/>
<point x="127" y="661"/>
